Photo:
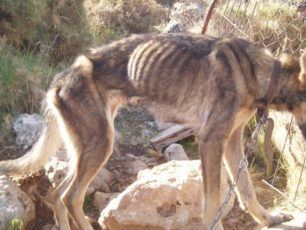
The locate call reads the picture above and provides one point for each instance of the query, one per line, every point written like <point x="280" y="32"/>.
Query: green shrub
<point x="56" y="28"/>
<point x="23" y="78"/>
<point x="66" y="30"/>
<point x="15" y="224"/>
<point x="20" y="20"/>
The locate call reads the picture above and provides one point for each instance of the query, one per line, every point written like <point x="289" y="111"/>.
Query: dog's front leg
<point x="233" y="154"/>
<point x="211" y="157"/>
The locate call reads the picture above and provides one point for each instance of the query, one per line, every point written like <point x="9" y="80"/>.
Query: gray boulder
<point x="28" y="128"/>
<point x="15" y="205"/>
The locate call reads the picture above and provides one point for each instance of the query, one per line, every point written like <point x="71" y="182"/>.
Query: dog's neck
<point x="287" y="93"/>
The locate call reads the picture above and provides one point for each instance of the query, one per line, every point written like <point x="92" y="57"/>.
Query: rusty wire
<point x="279" y="25"/>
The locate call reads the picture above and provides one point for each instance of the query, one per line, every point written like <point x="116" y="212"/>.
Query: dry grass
<point x="275" y="25"/>
<point x="54" y="28"/>
<point x="23" y="79"/>
<point x="111" y="20"/>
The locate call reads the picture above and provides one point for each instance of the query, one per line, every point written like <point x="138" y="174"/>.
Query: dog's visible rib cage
<point x="212" y="85"/>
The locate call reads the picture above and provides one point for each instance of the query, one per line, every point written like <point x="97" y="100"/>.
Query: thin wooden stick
<point x="208" y="16"/>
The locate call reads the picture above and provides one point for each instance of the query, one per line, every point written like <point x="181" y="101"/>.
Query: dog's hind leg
<point x="234" y="152"/>
<point x="94" y="151"/>
<point x="89" y="129"/>
<point x="53" y="199"/>
<point x="86" y="125"/>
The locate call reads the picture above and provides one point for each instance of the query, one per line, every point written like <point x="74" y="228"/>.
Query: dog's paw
<point x="280" y="218"/>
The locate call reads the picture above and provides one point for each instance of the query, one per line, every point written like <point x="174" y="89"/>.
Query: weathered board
<point x="171" y="135"/>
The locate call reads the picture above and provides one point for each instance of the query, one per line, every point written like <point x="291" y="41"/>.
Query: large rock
<point x="168" y="196"/>
<point x="27" y="128"/>
<point x="14" y="204"/>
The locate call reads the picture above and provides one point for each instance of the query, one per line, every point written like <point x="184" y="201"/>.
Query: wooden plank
<point x="171" y="135"/>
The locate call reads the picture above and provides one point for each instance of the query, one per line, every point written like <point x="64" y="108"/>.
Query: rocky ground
<point x="175" y="185"/>
<point x="128" y="182"/>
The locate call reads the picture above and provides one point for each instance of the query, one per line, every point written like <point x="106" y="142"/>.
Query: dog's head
<point x="297" y="103"/>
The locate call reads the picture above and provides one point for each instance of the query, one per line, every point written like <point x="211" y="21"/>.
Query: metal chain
<point x="243" y="164"/>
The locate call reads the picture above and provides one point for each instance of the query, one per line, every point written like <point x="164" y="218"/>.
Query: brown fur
<point x="210" y="84"/>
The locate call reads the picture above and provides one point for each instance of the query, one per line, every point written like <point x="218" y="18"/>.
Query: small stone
<point x="175" y="152"/>
<point x="102" y="199"/>
<point x="28" y="128"/>
<point x="135" y="166"/>
<point x="56" y="170"/>
<point x="163" y="125"/>
<point x="174" y="27"/>
<point x="101" y="182"/>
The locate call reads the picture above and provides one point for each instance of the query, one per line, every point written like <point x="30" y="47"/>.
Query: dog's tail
<point x="46" y="146"/>
<point x="50" y="139"/>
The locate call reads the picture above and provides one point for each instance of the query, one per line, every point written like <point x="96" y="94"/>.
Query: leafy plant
<point x="15" y="224"/>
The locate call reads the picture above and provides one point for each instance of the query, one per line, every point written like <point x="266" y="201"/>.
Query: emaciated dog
<point x="213" y="85"/>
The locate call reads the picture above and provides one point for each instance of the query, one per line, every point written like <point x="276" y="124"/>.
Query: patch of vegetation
<point x="111" y="20"/>
<point x="191" y="147"/>
<point x="15" y="224"/>
<point x="23" y="78"/>
<point x="89" y="207"/>
<point x="20" y="20"/>
<point x="133" y="122"/>
<point x="258" y="157"/>
<point x="55" y="28"/>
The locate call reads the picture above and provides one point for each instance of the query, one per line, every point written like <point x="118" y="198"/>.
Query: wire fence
<point x="279" y="25"/>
